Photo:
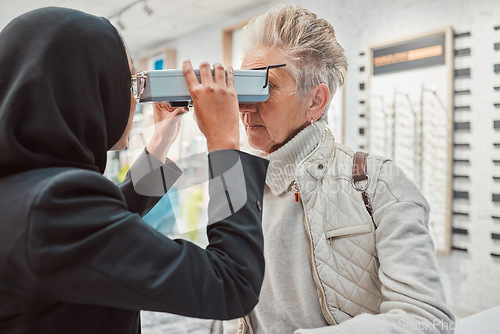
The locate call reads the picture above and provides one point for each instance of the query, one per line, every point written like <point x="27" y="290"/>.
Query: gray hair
<point x="308" y="41"/>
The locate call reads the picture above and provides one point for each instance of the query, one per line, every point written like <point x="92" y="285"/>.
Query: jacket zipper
<point x="295" y="189"/>
<point x="246" y="328"/>
<point x="314" y="272"/>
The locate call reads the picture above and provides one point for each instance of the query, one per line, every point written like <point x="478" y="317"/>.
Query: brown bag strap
<point x="361" y="180"/>
<point x="359" y="167"/>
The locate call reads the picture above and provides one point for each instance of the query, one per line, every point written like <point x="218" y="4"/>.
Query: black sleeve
<point x="147" y="180"/>
<point x="86" y="247"/>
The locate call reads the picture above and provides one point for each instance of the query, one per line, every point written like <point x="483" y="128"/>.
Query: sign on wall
<point x="410" y="100"/>
<point x="418" y="53"/>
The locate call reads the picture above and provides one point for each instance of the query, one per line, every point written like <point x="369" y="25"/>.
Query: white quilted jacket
<point x="340" y="230"/>
<point x="383" y="279"/>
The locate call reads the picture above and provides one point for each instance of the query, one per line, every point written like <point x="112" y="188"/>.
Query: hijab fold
<point x="64" y="90"/>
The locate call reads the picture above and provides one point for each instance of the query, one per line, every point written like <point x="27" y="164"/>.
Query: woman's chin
<point x="257" y="144"/>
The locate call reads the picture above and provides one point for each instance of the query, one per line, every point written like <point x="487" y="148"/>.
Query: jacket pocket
<point x="349" y="231"/>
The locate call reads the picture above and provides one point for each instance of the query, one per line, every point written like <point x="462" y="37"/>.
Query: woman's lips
<point x="253" y="128"/>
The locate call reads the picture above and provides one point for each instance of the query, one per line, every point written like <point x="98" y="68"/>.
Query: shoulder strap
<point x="361" y="180"/>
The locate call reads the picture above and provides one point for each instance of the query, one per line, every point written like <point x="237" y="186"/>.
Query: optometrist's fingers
<point x="189" y="75"/>
<point x="206" y="73"/>
<point x="230" y="77"/>
<point x="165" y="107"/>
<point x="220" y="74"/>
<point x="215" y="106"/>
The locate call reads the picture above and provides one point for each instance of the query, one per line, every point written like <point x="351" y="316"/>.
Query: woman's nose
<point x="248" y="107"/>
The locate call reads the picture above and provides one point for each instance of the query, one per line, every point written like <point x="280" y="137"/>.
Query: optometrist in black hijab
<point x="75" y="256"/>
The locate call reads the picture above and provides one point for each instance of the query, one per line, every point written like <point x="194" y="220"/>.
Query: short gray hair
<point x="308" y="41"/>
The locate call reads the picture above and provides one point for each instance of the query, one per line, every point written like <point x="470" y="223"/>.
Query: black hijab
<point x="64" y="90"/>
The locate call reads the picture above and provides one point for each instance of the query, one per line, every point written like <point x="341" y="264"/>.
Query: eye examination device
<point x="170" y="85"/>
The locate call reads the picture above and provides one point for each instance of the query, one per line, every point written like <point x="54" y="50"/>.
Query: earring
<point x="312" y="121"/>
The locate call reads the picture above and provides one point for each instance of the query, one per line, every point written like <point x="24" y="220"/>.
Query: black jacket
<point x="75" y="256"/>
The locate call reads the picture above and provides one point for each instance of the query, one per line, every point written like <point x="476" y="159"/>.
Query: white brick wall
<point x="470" y="278"/>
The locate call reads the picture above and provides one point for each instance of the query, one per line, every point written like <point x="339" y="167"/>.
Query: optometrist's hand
<point x="167" y="128"/>
<point x="215" y="104"/>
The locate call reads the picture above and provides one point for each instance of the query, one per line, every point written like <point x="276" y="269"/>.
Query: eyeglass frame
<point x="267" y="68"/>
<point x="139" y="75"/>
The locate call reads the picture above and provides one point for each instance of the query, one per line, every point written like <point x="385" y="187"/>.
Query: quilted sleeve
<point x="413" y="297"/>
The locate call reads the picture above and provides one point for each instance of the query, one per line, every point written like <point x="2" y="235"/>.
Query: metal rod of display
<point x="371" y="113"/>
<point x="393" y="141"/>
<point x="419" y="146"/>
<point x="422" y="139"/>
<point x="417" y="158"/>
<point x="416" y="152"/>
<point x="386" y="126"/>
<point x="416" y="139"/>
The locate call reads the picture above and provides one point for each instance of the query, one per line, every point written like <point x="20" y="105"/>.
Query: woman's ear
<point x="318" y="99"/>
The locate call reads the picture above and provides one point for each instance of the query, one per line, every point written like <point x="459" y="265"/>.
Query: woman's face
<point x="123" y="142"/>
<point x="269" y="125"/>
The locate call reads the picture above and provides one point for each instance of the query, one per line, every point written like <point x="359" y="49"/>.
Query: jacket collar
<point x="284" y="161"/>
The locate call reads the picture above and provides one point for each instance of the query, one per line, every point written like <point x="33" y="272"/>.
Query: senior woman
<point x="331" y="265"/>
